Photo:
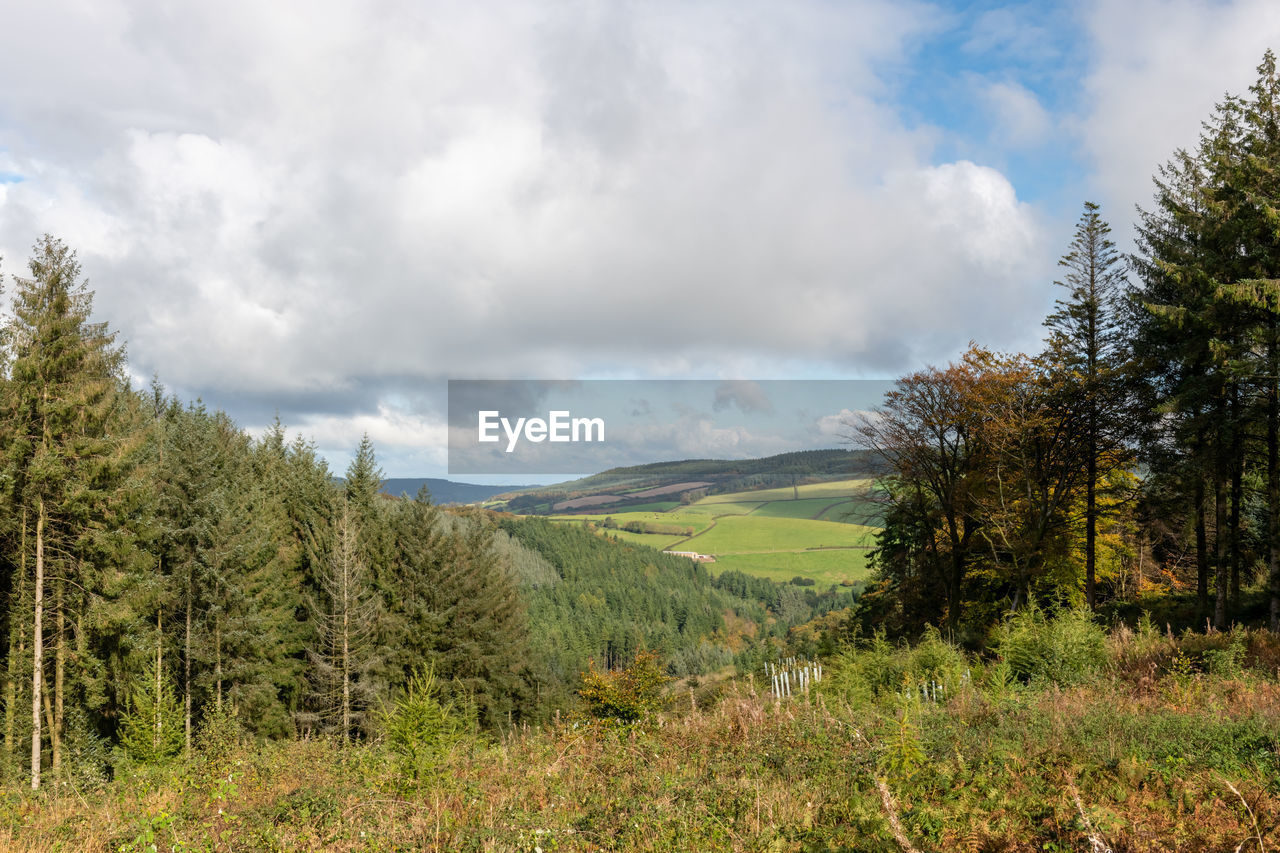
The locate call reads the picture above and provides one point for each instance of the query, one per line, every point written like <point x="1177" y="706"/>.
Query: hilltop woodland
<point x="210" y="642"/>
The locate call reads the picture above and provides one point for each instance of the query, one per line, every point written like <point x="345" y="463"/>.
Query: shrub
<point x="419" y="729"/>
<point x="1065" y="650"/>
<point x="218" y="735"/>
<point x="878" y="668"/>
<point x="629" y="695"/>
<point x="152" y="729"/>
<point x="934" y="659"/>
<point x="1228" y="662"/>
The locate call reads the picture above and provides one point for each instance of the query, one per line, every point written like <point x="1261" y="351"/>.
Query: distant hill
<point x="641" y="483"/>
<point x="446" y="491"/>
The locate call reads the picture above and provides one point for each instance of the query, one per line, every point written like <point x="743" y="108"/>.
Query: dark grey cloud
<point x="745" y="395"/>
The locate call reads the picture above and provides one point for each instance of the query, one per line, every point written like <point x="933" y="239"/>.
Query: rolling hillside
<point x="818" y="531"/>
<point x="662" y="482"/>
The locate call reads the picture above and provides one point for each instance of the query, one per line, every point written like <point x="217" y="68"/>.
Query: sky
<point x="326" y="210"/>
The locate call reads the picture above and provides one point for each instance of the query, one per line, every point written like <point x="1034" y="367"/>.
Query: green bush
<point x="1228" y="661"/>
<point x="630" y="695"/>
<point x="878" y="669"/>
<point x="218" y="735"/>
<point x="152" y="728"/>
<point x="1064" y="650"/>
<point x="419" y="729"/>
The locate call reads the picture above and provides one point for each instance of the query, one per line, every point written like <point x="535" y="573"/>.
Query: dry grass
<point x="1172" y="759"/>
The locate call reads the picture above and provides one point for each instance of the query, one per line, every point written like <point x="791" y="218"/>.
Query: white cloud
<point x="1159" y="67"/>
<point x="1018" y="116"/>
<point x="840" y="425"/>
<point x="396" y="435"/>
<point x="303" y="201"/>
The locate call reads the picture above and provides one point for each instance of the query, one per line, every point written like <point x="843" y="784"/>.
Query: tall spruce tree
<point x="1258" y="210"/>
<point x="1086" y="341"/>
<point x="458" y="607"/>
<point x="64" y="377"/>
<point x="1210" y="263"/>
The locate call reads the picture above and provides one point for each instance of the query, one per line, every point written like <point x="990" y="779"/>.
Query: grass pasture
<point x="823" y="535"/>
<point x="714" y="510"/>
<point x="755" y="535"/>
<point x="804" y="508"/>
<point x="698" y="521"/>
<point x="654" y="506"/>
<point x="657" y="541"/>
<point x="854" y="512"/>
<point x="827" y="568"/>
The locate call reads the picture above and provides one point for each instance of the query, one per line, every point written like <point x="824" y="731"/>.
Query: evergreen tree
<point x="364" y="480"/>
<point x="1208" y="328"/>
<point x="64" y="377"/>
<point x="1086" y="340"/>
<point x="151" y="730"/>
<point x="460" y="609"/>
<point x="346" y="621"/>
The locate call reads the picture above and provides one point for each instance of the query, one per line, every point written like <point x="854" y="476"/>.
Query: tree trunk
<point x="1091" y="527"/>
<point x="37" y="648"/>
<point x="1142" y="555"/>
<point x="1223" y="567"/>
<point x="1237" y="498"/>
<point x="159" y="704"/>
<point x="1273" y="475"/>
<point x="59" y="677"/>
<point x="1237" y="494"/>
<point x="186" y="667"/>
<point x="217" y="661"/>
<point x="346" y="654"/>
<point x="16" y="649"/>
<point x="1202" y="550"/>
<point x="10" y="697"/>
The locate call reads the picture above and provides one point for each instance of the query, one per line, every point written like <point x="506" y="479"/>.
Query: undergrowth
<point x="1162" y="743"/>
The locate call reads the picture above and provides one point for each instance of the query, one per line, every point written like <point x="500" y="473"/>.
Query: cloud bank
<point x="327" y="208"/>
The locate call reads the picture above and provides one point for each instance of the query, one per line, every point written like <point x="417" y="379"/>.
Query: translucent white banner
<point x="587" y="426"/>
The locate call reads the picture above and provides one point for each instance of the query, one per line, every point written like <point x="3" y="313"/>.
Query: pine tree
<point x="1210" y="320"/>
<point x="346" y="622"/>
<point x="364" y="480"/>
<point x="1086" y="341"/>
<point x="151" y="729"/>
<point x="458" y="607"/>
<point x="64" y="375"/>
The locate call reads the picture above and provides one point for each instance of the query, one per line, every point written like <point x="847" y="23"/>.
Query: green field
<point x="833" y="490"/>
<point x="655" y="506"/>
<point x="657" y="541"/>
<point x="825" y="567"/>
<point x="706" y="508"/>
<point x="697" y="520"/>
<point x="803" y="508"/>
<point x="754" y="535"/>
<point x="767" y="533"/>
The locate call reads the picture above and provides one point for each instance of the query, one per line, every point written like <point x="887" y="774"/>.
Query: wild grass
<point x="1170" y="744"/>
